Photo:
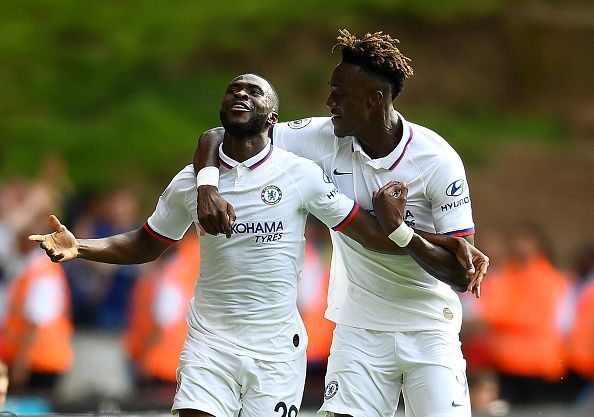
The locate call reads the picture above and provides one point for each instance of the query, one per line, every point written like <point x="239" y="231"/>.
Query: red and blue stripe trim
<point x="461" y="233"/>
<point x="348" y="218"/>
<point x="224" y="164"/>
<point x="410" y="137"/>
<point x="261" y="161"/>
<point x="158" y="236"/>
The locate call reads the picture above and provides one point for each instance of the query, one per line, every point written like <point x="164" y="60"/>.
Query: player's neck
<point x="382" y="134"/>
<point x="243" y="149"/>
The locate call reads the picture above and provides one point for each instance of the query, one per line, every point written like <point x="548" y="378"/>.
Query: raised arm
<point x="127" y="248"/>
<point x="215" y="214"/>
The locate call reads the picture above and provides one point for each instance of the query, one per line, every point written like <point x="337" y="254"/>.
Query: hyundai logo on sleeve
<point x="456" y="188"/>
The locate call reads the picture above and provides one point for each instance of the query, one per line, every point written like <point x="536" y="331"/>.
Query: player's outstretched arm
<point x="389" y="203"/>
<point x="127" y="248"/>
<point x="215" y="214"/>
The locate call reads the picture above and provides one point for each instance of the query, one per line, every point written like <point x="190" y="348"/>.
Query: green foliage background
<point x="122" y="89"/>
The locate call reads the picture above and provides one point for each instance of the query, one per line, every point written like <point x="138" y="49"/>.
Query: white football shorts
<point x="224" y="384"/>
<point x="367" y="369"/>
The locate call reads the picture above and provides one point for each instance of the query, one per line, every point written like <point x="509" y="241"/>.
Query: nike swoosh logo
<point x="335" y="172"/>
<point x="455" y="404"/>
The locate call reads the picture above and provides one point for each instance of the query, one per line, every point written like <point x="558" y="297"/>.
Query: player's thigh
<point x="362" y="378"/>
<point x="206" y="382"/>
<point x="436" y="391"/>
<point x="434" y="381"/>
<point x="273" y="388"/>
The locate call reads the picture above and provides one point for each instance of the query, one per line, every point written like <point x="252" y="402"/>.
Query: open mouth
<point x="238" y="106"/>
<point x="335" y="114"/>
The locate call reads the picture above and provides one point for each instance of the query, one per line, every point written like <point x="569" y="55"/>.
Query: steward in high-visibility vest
<point x="522" y="316"/>
<point x="158" y="326"/>
<point x="37" y="331"/>
<point x="312" y="300"/>
<point x="580" y="344"/>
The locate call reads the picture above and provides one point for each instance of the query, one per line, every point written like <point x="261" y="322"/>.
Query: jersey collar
<point x="390" y="161"/>
<point x="251" y="163"/>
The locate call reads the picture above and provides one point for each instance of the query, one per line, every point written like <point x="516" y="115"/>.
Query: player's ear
<point x="375" y="98"/>
<point x="272" y="117"/>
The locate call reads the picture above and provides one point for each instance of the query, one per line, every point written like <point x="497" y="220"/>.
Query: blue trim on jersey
<point x="224" y="164"/>
<point x="461" y="233"/>
<point x="395" y="164"/>
<point x="261" y="161"/>
<point x="348" y="218"/>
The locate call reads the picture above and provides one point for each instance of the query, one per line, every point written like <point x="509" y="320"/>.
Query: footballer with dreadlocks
<point x="397" y="316"/>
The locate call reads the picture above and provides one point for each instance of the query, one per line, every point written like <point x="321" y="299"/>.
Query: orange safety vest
<point x="160" y="359"/>
<point x="319" y="330"/>
<point x="580" y="346"/>
<point x="139" y="328"/>
<point x="521" y="315"/>
<point x="51" y="350"/>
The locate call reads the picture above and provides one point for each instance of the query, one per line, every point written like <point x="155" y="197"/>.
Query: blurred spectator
<point x="483" y="383"/>
<point x="3" y="383"/>
<point x="580" y="343"/>
<point x="12" y="193"/>
<point x="160" y="300"/>
<point x="37" y="328"/>
<point x="100" y="292"/>
<point x="474" y="343"/>
<point x="484" y="394"/>
<point x="21" y="203"/>
<point x="522" y="316"/>
<point x="312" y="294"/>
<point x="312" y="302"/>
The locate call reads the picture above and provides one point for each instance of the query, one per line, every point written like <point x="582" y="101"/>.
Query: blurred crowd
<point x="528" y="339"/>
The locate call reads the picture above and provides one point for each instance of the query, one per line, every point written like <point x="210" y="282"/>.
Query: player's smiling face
<point x="349" y="100"/>
<point x="247" y="107"/>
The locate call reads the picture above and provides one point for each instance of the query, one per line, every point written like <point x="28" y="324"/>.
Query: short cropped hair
<point x="376" y="54"/>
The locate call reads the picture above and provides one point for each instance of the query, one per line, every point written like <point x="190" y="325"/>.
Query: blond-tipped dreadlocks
<point x="376" y="53"/>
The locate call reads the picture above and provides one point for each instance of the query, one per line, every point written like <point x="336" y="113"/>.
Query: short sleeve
<point x="172" y="217"/>
<point x="323" y="200"/>
<point x="449" y="195"/>
<point x="312" y="138"/>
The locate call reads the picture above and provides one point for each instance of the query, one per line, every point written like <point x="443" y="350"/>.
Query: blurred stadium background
<point x="102" y="103"/>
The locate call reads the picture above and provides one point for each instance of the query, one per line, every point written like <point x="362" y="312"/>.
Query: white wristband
<point x="402" y="235"/>
<point x="208" y="176"/>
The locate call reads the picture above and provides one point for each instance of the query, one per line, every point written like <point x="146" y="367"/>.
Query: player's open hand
<point x="389" y="203"/>
<point x="61" y="245"/>
<point x="476" y="264"/>
<point x="215" y="214"/>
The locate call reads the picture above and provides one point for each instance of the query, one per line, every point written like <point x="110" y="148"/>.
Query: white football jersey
<point x="245" y="298"/>
<point x="377" y="291"/>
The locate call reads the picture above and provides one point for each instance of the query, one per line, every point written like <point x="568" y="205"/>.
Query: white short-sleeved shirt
<point x="245" y="298"/>
<point x="377" y="291"/>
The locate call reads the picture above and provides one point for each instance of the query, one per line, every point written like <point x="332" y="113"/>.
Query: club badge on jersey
<point x="271" y="195"/>
<point x="331" y="390"/>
